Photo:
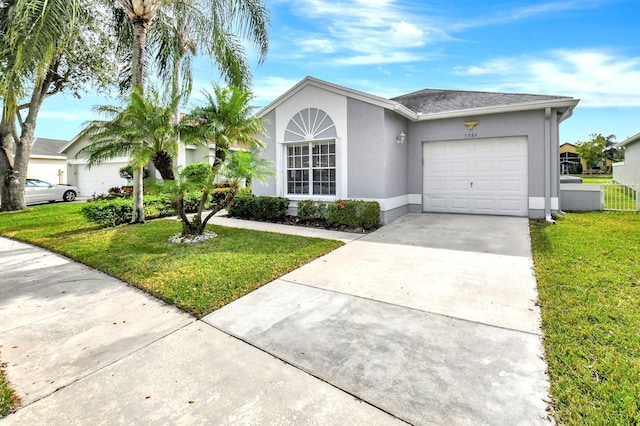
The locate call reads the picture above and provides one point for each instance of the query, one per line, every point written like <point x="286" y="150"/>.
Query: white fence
<point x="621" y="197"/>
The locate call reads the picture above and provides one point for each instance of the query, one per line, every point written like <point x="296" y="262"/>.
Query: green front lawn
<point x="197" y="278"/>
<point x="588" y="272"/>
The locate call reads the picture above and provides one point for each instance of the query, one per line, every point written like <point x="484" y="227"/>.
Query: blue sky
<point x="586" y="49"/>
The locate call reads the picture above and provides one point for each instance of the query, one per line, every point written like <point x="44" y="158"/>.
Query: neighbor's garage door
<point x="479" y="176"/>
<point x="99" y="179"/>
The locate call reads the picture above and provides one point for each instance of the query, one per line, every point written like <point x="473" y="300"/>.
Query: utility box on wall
<point x="578" y="197"/>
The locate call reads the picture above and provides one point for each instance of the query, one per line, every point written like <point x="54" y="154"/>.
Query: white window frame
<point x="310" y="168"/>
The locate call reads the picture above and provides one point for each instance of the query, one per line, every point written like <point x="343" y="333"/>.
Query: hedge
<point x="354" y="214"/>
<point x="312" y="211"/>
<point x="258" y="208"/>
<point x="117" y="211"/>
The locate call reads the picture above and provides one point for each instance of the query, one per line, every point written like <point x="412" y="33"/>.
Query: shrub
<point x="354" y="214"/>
<point x="197" y="172"/>
<point x="270" y="208"/>
<point x="244" y="191"/>
<point x="259" y="208"/>
<point x="242" y="207"/>
<point x="117" y="211"/>
<point x="108" y="212"/>
<point x="309" y="210"/>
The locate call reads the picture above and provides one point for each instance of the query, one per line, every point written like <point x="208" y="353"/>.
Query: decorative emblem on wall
<point x="471" y="124"/>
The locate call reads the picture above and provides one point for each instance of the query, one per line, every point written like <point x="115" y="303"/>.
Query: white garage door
<point x="479" y="176"/>
<point x="99" y="179"/>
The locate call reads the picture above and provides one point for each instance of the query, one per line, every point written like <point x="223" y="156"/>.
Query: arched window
<point x="310" y="139"/>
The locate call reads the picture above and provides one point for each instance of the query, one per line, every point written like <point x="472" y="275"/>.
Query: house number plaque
<point x="470" y="125"/>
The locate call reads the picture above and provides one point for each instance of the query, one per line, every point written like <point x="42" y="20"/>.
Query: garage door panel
<point x="434" y="168"/>
<point x="460" y="203"/>
<point x="460" y="185"/>
<point x="484" y="188"/>
<point x="437" y="203"/>
<point x="510" y="185"/>
<point x="482" y="176"/>
<point x="437" y="185"/>
<point x="483" y="166"/>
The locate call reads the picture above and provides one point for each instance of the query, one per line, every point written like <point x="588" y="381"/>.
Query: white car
<point x="37" y="191"/>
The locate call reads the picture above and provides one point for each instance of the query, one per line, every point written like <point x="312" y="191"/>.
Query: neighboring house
<point x="569" y="159"/>
<point x="569" y="156"/>
<point x="628" y="171"/>
<point x="428" y="151"/>
<point x="98" y="179"/>
<point x="46" y="162"/>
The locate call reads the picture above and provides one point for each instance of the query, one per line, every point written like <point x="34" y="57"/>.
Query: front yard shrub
<point x="241" y="206"/>
<point x="108" y="212"/>
<point x="354" y="214"/>
<point x="258" y="208"/>
<point x="270" y="208"/>
<point x="309" y="211"/>
<point x="117" y="211"/>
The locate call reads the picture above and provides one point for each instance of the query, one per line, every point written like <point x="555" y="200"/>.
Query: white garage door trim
<point x="477" y="176"/>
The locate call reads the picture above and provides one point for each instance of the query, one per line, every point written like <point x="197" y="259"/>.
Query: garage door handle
<point x="472" y="184"/>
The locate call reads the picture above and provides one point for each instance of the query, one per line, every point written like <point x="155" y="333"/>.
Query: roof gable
<point x="430" y="104"/>
<point x="633" y="139"/>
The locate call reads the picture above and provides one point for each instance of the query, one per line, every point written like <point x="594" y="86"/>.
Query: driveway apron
<point x="431" y="318"/>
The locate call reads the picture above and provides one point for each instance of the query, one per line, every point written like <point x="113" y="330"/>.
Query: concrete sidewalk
<point x="390" y="328"/>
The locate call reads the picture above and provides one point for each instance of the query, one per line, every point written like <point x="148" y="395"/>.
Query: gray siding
<point x="628" y="172"/>
<point x="365" y="157"/>
<point x="528" y="123"/>
<point x="268" y="188"/>
<point x="377" y="165"/>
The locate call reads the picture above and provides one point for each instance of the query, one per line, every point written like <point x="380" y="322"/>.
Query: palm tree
<point x="141" y="14"/>
<point x="224" y="121"/>
<point x="205" y="24"/>
<point x="143" y="131"/>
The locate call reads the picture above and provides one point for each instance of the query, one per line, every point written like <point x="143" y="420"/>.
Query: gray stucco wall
<point x="527" y="123"/>
<point x="628" y="173"/>
<point x="580" y="197"/>
<point x="376" y="163"/>
<point x="268" y="188"/>
<point x="365" y="157"/>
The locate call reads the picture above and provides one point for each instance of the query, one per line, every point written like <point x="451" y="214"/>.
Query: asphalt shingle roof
<point x="432" y="101"/>
<point x="44" y="146"/>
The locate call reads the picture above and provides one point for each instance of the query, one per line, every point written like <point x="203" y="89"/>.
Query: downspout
<point x="547" y="165"/>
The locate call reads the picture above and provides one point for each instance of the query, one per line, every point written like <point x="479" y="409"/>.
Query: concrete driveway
<point x="431" y="318"/>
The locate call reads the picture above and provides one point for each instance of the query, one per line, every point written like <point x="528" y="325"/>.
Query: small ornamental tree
<point x="592" y="151"/>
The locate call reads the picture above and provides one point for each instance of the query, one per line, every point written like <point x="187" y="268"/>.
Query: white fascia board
<point x="47" y="157"/>
<point x="529" y="106"/>
<point x="630" y="140"/>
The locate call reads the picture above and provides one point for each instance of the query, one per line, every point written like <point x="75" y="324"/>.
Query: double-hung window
<point x="311" y="168"/>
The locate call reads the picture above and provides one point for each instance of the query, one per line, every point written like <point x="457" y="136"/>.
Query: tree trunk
<point x="13" y="171"/>
<point x="164" y="164"/>
<point x="137" y="59"/>
<point x="137" y="68"/>
<point x="138" y="191"/>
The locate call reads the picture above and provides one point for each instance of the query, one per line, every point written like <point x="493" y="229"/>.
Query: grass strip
<point x="588" y="272"/>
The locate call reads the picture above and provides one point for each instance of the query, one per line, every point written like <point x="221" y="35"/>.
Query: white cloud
<point x="317" y="45"/>
<point x="377" y="58"/>
<point x="360" y="32"/>
<point x="268" y="89"/>
<point x="598" y="78"/>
